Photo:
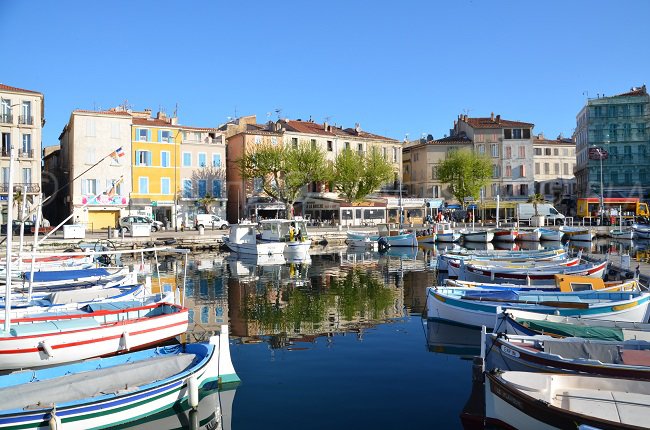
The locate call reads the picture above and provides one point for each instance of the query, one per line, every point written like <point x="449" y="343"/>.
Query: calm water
<point x="334" y="342"/>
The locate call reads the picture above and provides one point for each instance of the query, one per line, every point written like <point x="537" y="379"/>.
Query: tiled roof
<point x="102" y="112"/>
<point x="635" y="91"/>
<point x="495" y="123"/>
<point x="559" y="141"/>
<point x="152" y="122"/>
<point x="4" y="87"/>
<point x="450" y="140"/>
<point x="187" y="127"/>
<point x="309" y="127"/>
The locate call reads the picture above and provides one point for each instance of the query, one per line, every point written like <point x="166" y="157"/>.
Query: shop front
<point x="412" y="210"/>
<point x="338" y="212"/>
<point x="102" y="211"/>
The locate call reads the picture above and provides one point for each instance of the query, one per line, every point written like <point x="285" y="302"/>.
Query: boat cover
<point x="576" y="348"/>
<point x="89" y="384"/>
<point x="63" y="275"/>
<point x="488" y="295"/>
<point x="111" y="306"/>
<point x="570" y="330"/>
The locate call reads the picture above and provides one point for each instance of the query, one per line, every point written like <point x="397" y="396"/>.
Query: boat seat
<point x="89" y="384"/>
<point x="598" y="403"/>
<point x="633" y="357"/>
<point x="53" y="326"/>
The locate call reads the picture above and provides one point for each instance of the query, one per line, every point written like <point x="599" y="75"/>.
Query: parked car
<point x="210" y="220"/>
<point x="16" y="228"/>
<point x="125" y="223"/>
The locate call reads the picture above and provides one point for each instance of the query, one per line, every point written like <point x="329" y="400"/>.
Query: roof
<point x="310" y="127"/>
<point x="559" y="141"/>
<point x="635" y="91"/>
<point x="187" y="127"/>
<point x="447" y="140"/>
<point x="153" y="122"/>
<point x="102" y="112"/>
<point x="4" y="87"/>
<point x="495" y="122"/>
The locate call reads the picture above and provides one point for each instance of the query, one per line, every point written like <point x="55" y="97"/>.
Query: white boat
<point x="481" y="236"/>
<point x="577" y="233"/>
<point x="534" y="235"/>
<point x="507" y="255"/>
<point x="525" y="400"/>
<point x="622" y="233"/>
<point x="293" y="233"/>
<point x="242" y="239"/>
<point x="550" y="234"/>
<point x="506" y="234"/>
<point x="474" y="307"/>
<point x="466" y="270"/>
<point x="445" y="232"/>
<point x="109" y="392"/>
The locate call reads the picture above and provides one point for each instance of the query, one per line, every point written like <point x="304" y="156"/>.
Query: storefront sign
<point x="104" y="200"/>
<point x="406" y="202"/>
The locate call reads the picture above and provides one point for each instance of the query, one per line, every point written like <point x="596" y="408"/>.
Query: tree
<point x="215" y="179"/>
<point x="356" y="175"/>
<point x="284" y="170"/>
<point x="207" y="201"/>
<point x="536" y="199"/>
<point x="466" y="173"/>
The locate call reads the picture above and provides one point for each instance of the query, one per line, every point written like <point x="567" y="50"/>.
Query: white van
<point x="525" y="211"/>
<point x="210" y="220"/>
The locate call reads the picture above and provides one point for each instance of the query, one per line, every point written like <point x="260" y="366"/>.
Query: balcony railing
<point x="6" y="118"/>
<point x="26" y="153"/>
<point x="29" y="187"/>
<point x="29" y="120"/>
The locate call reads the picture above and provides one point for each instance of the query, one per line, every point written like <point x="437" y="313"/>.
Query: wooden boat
<point x="524" y="400"/>
<point x="622" y="233"/>
<point x="107" y="392"/>
<point x="481" y="236"/>
<point x="577" y="233"/>
<point x="476" y="307"/>
<point x="394" y="239"/>
<point x="540" y="275"/>
<point x="445" y="233"/>
<point x="534" y="235"/>
<point x="506" y="255"/>
<point x="641" y="231"/>
<point x="242" y="239"/>
<point x="542" y="353"/>
<point x="456" y="268"/>
<point x="506" y="234"/>
<point x="426" y="236"/>
<point x="283" y="230"/>
<point x="95" y="330"/>
<point x="563" y="283"/>
<point x="550" y="234"/>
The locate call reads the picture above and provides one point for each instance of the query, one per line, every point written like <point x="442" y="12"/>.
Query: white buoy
<point x="46" y="348"/>
<point x="55" y="421"/>
<point x="125" y="340"/>
<point x="193" y="391"/>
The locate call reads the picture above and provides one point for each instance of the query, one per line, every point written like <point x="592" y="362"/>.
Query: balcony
<point x="26" y="153"/>
<point x="6" y="118"/>
<point x="26" y="120"/>
<point x="29" y="188"/>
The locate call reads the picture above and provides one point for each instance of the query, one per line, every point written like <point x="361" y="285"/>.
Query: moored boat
<point x="242" y="239"/>
<point x="534" y="235"/>
<point x="622" y="233"/>
<point x="506" y="234"/>
<point x="641" y="231"/>
<point x="481" y="236"/>
<point x="293" y="233"/>
<point x="577" y="233"/>
<point x="445" y="232"/>
<point x="550" y="234"/>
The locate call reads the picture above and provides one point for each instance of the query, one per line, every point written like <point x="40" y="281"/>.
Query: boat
<point x="524" y="400"/>
<point x="67" y="279"/>
<point x="457" y="268"/>
<point x="622" y="233"/>
<point x="577" y="233"/>
<point x="107" y="392"/>
<point x="506" y="234"/>
<point x="481" y="236"/>
<point x="426" y="236"/>
<point x="641" y="231"/>
<point x="475" y="307"/>
<point x="543" y="353"/>
<point x="445" y="232"/>
<point x="293" y="233"/>
<point x="508" y="255"/>
<point x="550" y="234"/>
<point x="563" y="283"/>
<point x="242" y="239"/>
<point x="387" y="237"/>
<point x="534" y="235"/>
<point x="94" y="330"/>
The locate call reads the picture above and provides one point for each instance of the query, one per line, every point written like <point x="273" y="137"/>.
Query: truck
<point x="525" y="211"/>
<point x="630" y="207"/>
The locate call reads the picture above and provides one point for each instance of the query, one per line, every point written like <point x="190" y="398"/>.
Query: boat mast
<point x="10" y="224"/>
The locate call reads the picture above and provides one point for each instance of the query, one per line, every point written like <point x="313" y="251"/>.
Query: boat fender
<point x="193" y="391"/>
<point x="125" y="341"/>
<point x="46" y="348"/>
<point x="55" y="421"/>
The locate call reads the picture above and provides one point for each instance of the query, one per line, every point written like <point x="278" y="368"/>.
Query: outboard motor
<point x="382" y="244"/>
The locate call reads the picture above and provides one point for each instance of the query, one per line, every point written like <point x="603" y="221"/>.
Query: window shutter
<point x="148" y="135"/>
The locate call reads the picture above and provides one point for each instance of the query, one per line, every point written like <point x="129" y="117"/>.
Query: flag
<point x="119" y="152"/>
<point x="111" y="192"/>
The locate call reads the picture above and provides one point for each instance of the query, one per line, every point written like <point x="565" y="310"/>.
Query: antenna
<point x="327" y="119"/>
<point x="235" y="111"/>
<point x="176" y="110"/>
<point x="278" y="111"/>
<point x="466" y="111"/>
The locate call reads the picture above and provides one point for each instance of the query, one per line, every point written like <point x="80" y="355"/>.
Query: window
<point x="627" y="151"/>
<point x="479" y="138"/>
<point x="522" y="171"/>
<point x="507" y="133"/>
<point x="143" y="158"/>
<point x="638" y="109"/>
<point x="494" y="149"/>
<point x="547" y="169"/>
<point x="313" y="144"/>
<point x="613" y="128"/>
<point x="143" y="184"/>
<point x="90" y="127"/>
<point x="640" y="129"/>
<point x="89" y="186"/>
<point x="164" y="158"/>
<point x="330" y="147"/>
<point x="5" y="175"/>
<point x="294" y="142"/>
<point x="556" y="152"/>
<point x="625" y="110"/>
<point x="566" y="168"/>
<point x="522" y="152"/>
<point x="27" y="145"/>
<point x="360" y="148"/>
<point x="187" y="159"/>
<point x="642" y="150"/>
<point x="6" y="144"/>
<point x="627" y="131"/>
<point x="202" y="159"/>
<point x="526" y="133"/>
<point x="216" y="160"/>
<point x="385" y="152"/>
<point x="611" y="110"/>
<point x="538" y="151"/>
<point x="164" y="136"/>
<point x="274" y="140"/>
<point x="614" y="177"/>
<point x="394" y="155"/>
<point x="90" y="155"/>
<point x="481" y="149"/>
<point x="523" y="189"/>
<point x="187" y="188"/>
<point x="537" y="168"/>
<point x="258" y="140"/>
<point x="165" y="186"/>
<point x="434" y="173"/>
<point x="565" y="152"/>
<point x="110" y="183"/>
<point x="508" y="171"/>
<point x="27" y="175"/>
<point x="202" y="187"/>
<point x="516" y="133"/>
<point x="216" y="188"/>
<point x="26" y="113"/>
<point x="142" y="134"/>
<point x="547" y="151"/>
<point x="347" y="145"/>
<point x="598" y="111"/>
<point x="495" y="171"/>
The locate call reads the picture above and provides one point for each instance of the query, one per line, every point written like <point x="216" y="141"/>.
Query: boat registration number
<point x="509" y="351"/>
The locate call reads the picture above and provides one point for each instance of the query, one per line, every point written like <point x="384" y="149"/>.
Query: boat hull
<point x="478" y="236"/>
<point x="258" y="249"/>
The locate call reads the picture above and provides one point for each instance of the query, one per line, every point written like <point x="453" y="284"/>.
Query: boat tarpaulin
<point x="63" y="275"/>
<point x="571" y="330"/>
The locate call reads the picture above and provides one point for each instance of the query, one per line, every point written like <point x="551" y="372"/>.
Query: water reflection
<point x="446" y="338"/>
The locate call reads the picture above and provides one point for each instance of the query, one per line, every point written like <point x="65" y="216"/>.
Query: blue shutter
<point x="148" y="135"/>
<point x="137" y="158"/>
<point x="159" y="135"/>
<point x="218" y="160"/>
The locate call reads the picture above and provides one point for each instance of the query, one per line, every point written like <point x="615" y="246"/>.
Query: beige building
<point x="21" y="122"/>
<point x="100" y="186"/>
<point x="555" y="163"/>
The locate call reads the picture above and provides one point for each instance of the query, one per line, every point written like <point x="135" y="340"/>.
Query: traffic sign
<point x="598" y="154"/>
<point x="154" y="203"/>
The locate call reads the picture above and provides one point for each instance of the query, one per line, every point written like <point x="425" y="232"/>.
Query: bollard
<point x="201" y="230"/>
<point x="109" y="232"/>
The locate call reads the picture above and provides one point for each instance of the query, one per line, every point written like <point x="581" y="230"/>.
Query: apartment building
<point x="616" y="127"/>
<point x="99" y="187"/>
<point x="21" y="122"/>
<point x="555" y="161"/>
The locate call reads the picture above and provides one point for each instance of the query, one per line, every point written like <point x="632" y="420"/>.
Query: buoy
<point x="46" y="348"/>
<point x="193" y="391"/>
<point x="125" y="340"/>
<point x="55" y="421"/>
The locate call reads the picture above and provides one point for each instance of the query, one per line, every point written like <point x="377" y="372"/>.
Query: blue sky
<point x="394" y="67"/>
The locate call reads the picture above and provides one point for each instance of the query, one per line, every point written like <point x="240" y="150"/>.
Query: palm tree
<point x="207" y="201"/>
<point x="18" y="202"/>
<point x="536" y="199"/>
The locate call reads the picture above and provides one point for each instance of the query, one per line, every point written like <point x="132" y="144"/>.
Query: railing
<point x="26" y="153"/>
<point x="6" y="118"/>
<point x="29" y="120"/>
<point x="30" y="187"/>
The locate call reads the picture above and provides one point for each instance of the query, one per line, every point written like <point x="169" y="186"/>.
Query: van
<point x="210" y="220"/>
<point x="525" y="211"/>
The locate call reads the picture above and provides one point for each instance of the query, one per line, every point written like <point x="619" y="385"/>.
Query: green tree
<point x="536" y="199"/>
<point x="284" y="170"/>
<point x="356" y="175"/>
<point x="207" y="201"/>
<point x="466" y="173"/>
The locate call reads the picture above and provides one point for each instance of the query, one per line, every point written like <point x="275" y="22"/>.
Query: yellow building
<point x="155" y="150"/>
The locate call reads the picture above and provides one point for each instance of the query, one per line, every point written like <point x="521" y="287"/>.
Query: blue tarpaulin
<point x="66" y="275"/>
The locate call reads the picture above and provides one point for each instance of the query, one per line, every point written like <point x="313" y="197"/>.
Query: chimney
<point x="161" y="115"/>
<point x="492" y="116"/>
<point x="498" y="119"/>
<point x="357" y="127"/>
<point x="173" y="120"/>
<point x="326" y="126"/>
<point x="465" y="118"/>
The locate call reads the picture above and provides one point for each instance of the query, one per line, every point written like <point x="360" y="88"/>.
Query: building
<point x="247" y="199"/>
<point x="21" y="122"/>
<point x="99" y="182"/>
<point x="555" y="162"/>
<point x="616" y="127"/>
<point x="510" y="146"/>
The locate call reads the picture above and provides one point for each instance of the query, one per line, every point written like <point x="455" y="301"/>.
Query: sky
<point x="406" y="68"/>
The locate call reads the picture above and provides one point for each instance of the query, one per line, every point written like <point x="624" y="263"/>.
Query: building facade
<point x="555" y="162"/>
<point x="21" y="122"/>
<point x="618" y="127"/>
